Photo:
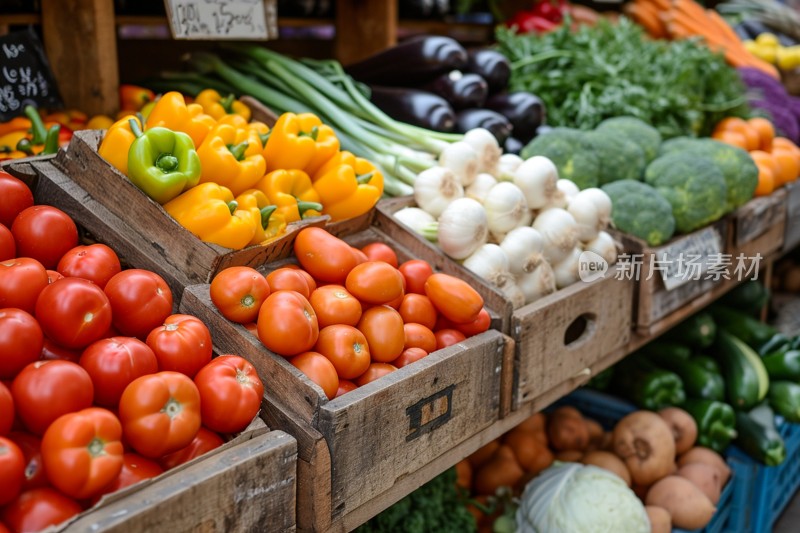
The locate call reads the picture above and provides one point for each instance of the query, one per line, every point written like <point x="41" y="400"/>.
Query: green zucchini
<point x="783" y="365"/>
<point x="746" y="379"/>
<point x="751" y="331"/>
<point x="698" y="382"/>
<point x="667" y="350"/>
<point x="697" y="331"/>
<point x="778" y="342"/>
<point x="749" y="297"/>
<point x="784" y="397"/>
<point x="758" y="436"/>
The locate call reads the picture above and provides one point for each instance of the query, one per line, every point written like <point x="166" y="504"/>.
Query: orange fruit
<point x="765" y="130"/>
<point x="784" y="143"/>
<point x="766" y="181"/>
<point x="789" y="164"/>
<point x="752" y="138"/>
<point x="731" y="137"/>
<point x="730" y="124"/>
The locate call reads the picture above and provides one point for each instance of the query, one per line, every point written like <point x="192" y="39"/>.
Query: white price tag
<point x="690" y="257"/>
<point x="222" y="19"/>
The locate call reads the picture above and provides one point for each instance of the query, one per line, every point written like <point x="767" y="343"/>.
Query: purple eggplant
<point x="491" y="66"/>
<point x="525" y="111"/>
<point x="513" y="146"/>
<point x="461" y="90"/>
<point x="497" y="124"/>
<point x="416" y="107"/>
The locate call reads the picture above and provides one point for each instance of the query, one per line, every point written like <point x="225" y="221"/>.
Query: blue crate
<point x="733" y="505"/>
<point x="772" y="488"/>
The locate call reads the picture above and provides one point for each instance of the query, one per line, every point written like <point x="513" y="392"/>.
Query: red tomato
<point x="479" y="325"/>
<point x="160" y="413"/>
<point x="52" y="351"/>
<point x="44" y="233"/>
<point x="45" y="390"/>
<point x="448" y="337"/>
<point x="6" y="410"/>
<point x="383" y="328"/>
<point x="454" y="298"/>
<point x="4" y="528"/>
<point x="8" y="248"/>
<point x="320" y="370"/>
<point x="252" y="327"/>
<point x="289" y="279"/>
<point x="21" y="341"/>
<point x="54" y="275"/>
<point x="378" y="251"/>
<point x="416" y="272"/>
<point x="21" y="282"/>
<point x="418" y="308"/>
<point x="31" y="447"/>
<point x="409" y="355"/>
<point x="334" y="305"/>
<point x="135" y="468"/>
<point x="375" y="371"/>
<point x="97" y="263"/>
<point x="15" y="197"/>
<point x="82" y="452"/>
<point x="182" y="344"/>
<point x="375" y="282"/>
<point x="205" y="441"/>
<point x="345" y="347"/>
<point x="140" y="301"/>
<point x="287" y="324"/>
<point x="312" y="284"/>
<point x="418" y="336"/>
<point x="238" y="293"/>
<point x="345" y="386"/>
<point x="73" y="312"/>
<point x="12" y="470"/>
<point x="361" y="257"/>
<point x="38" y="509"/>
<point x="113" y="363"/>
<point x="324" y="256"/>
<point x="230" y="393"/>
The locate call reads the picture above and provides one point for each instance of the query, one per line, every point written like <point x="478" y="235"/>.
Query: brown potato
<point x="645" y="443"/>
<point x="686" y="504"/>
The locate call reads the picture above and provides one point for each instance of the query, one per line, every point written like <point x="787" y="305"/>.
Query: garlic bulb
<point x="604" y="246"/>
<point x="485" y="144"/>
<point x="490" y="262"/>
<point x="523" y="247"/>
<point x="537" y="177"/>
<point x="584" y="211"/>
<point x="602" y="202"/>
<point x="566" y="271"/>
<point x="463" y="228"/>
<point x="505" y="207"/>
<point x="415" y="218"/>
<point x="481" y="186"/>
<point x="568" y="188"/>
<point x="435" y="188"/>
<point x="507" y="166"/>
<point x="559" y="231"/>
<point x="539" y="282"/>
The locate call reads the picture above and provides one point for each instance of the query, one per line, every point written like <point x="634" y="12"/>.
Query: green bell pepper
<point x="698" y="382"/>
<point x="708" y="363"/>
<point x="162" y="163"/>
<point x="646" y="385"/>
<point x="783" y="365"/>
<point x="784" y="397"/>
<point x="759" y="437"/>
<point x="716" y="422"/>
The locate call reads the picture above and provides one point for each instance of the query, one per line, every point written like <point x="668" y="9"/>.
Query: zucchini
<point x="778" y="343"/>
<point x="746" y="379"/>
<point x="659" y="350"/>
<point x="758" y="437"/>
<point x="753" y="332"/>
<point x="783" y="365"/>
<point x="697" y="331"/>
<point x="784" y="397"/>
<point x="749" y="297"/>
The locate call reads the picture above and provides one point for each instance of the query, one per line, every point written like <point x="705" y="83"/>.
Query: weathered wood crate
<point x="792" y="234"/>
<point x="359" y="452"/>
<point x="558" y="338"/>
<point x="174" y="251"/>
<point x="759" y="226"/>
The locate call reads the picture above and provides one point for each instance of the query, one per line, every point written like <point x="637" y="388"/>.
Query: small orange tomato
<point x="418" y="308"/>
<point x="320" y="370"/>
<point x="230" y="393"/>
<point x="345" y="347"/>
<point x="448" y="337"/>
<point x="375" y="282"/>
<point x="238" y="293"/>
<point x="479" y="325"/>
<point x="765" y="130"/>
<point x="312" y="284"/>
<point x="325" y="257"/>
<point x="378" y="251"/>
<point x="252" y="327"/>
<point x="416" y="272"/>
<point x="345" y="386"/>
<point x="375" y="371"/>
<point x="287" y="324"/>
<point x="334" y="305"/>
<point x="454" y="298"/>
<point x="205" y="441"/>
<point x="383" y="328"/>
<point x="418" y="336"/>
<point x="289" y="279"/>
<point x="409" y="356"/>
<point x="360" y="256"/>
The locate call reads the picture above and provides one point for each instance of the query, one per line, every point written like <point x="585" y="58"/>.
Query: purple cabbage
<point x="770" y="95"/>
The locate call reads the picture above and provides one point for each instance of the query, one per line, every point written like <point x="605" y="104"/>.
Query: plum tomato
<point x="287" y="324"/>
<point x="238" y="293"/>
<point x="320" y="370"/>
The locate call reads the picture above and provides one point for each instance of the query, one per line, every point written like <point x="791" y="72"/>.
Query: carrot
<point x="647" y="18"/>
<point x="723" y="26"/>
<point x="698" y="27"/>
<point x="689" y="8"/>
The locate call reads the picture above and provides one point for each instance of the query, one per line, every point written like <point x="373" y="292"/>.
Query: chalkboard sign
<point x="25" y="76"/>
<point x="222" y="19"/>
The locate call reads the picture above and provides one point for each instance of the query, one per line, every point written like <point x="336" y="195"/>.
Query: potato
<point x="686" y="504"/>
<point x="610" y="462"/>
<point x="705" y="477"/>
<point x="699" y="454"/>
<point x="570" y="456"/>
<point x="660" y="520"/>
<point x="683" y="427"/>
<point x="645" y="443"/>
<point x="566" y="430"/>
<point x="501" y="470"/>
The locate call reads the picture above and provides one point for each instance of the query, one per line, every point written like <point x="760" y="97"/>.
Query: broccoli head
<point x="646" y="136"/>
<point x="620" y="158"/>
<point x="570" y="152"/>
<point x="638" y="209"/>
<point x="676" y="144"/>
<point x="694" y="187"/>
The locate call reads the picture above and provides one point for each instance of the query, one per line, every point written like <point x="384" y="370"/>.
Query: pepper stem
<point x="25" y="146"/>
<point x="51" y="143"/>
<point x="313" y="133"/>
<point x="167" y="163"/>
<point x="39" y="132"/>
<point x="266" y="212"/>
<point x="364" y="178"/>
<point x="264" y="137"/>
<point x="227" y="103"/>
<point x="233" y="205"/>
<point x="303" y="206"/>
<point x="135" y="129"/>
<point x="238" y="150"/>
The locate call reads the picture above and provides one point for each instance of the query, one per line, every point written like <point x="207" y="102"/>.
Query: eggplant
<point x="525" y="111"/>
<point x="491" y="66"/>
<point x="497" y="124"/>
<point x="416" y="107"/>
<point x="461" y="90"/>
<point x="411" y="63"/>
<point x="513" y="146"/>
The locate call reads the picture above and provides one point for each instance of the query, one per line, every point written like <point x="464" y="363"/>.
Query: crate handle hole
<point x="580" y="329"/>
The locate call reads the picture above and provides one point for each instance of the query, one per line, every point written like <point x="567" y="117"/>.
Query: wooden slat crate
<point x="759" y="226"/>
<point x="558" y="338"/>
<point x="792" y="234"/>
<point x="354" y="449"/>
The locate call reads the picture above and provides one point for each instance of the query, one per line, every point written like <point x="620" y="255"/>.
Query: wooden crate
<point x="355" y="450"/>
<point x="558" y="338"/>
<point x="792" y="235"/>
<point x="758" y="226"/>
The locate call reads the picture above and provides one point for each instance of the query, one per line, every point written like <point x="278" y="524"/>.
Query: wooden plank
<point x="792" y="236"/>
<point x="507" y="382"/>
<point x="258" y="111"/>
<point x="81" y="43"/>
<point x="364" y="27"/>
<point x="756" y="217"/>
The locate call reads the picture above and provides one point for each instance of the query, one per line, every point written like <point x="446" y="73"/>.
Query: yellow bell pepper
<point x="8" y="142"/>
<point x="210" y="212"/>
<point x="262" y="132"/>
<point x="348" y="186"/>
<point x="232" y="158"/>
<point x="16" y="124"/>
<point x="291" y="191"/>
<point x="99" y="122"/>
<point x="218" y="107"/>
<point x="172" y="112"/>
<point x="269" y="224"/>
<point x="117" y="143"/>
<point x="300" y="142"/>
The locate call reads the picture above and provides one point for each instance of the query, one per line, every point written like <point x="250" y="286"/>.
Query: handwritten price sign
<point x="222" y="19"/>
<point x="25" y="76"/>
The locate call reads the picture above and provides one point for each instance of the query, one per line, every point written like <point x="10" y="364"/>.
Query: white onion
<point x="435" y="188"/>
<point x="507" y="166"/>
<point x="513" y="294"/>
<point x="558" y="199"/>
<point x="537" y="177"/>
<point x="604" y="246"/>
<point x="566" y="271"/>
<point x="415" y="218"/>
<point x="584" y="211"/>
<point x="603" y="203"/>
<point x="481" y="186"/>
<point x="462" y="159"/>
<point x="505" y="207"/>
<point x="485" y="144"/>
<point x="523" y="247"/>
<point x="490" y="262"/>
<point x="559" y="231"/>
<point x="568" y="187"/>
<point x="463" y="228"/>
<point x="539" y="282"/>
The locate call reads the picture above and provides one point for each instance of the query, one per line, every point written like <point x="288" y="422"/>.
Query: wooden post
<point x="81" y="43"/>
<point x="364" y="27"/>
